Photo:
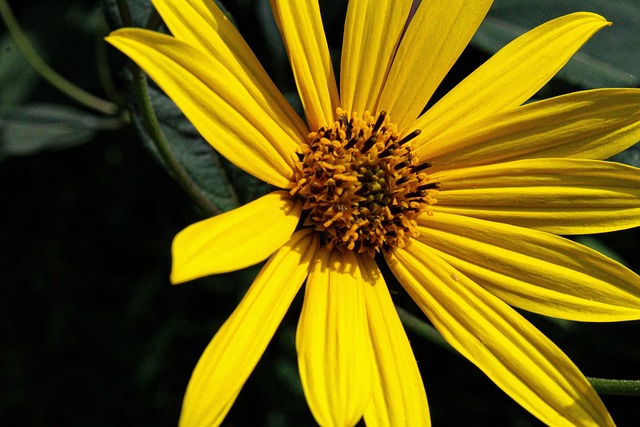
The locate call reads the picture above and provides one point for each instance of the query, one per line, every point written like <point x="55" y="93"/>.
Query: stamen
<point x="401" y="165"/>
<point x="410" y="136"/>
<point x="379" y="122"/>
<point x="402" y="180"/>
<point x="369" y="143"/>
<point x="396" y="209"/>
<point x="360" y="184"/>
<point x="351" y="143"/>
<point x="421" y="166"/>
<point x="414" y="194"/>
<point x="389" y="150"/>
<point x="429" y="186"/>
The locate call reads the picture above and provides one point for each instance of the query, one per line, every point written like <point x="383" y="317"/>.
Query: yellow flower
<point x="463" y="202"/>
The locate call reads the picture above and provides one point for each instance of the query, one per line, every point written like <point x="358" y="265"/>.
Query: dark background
<point x="92" y="333"/>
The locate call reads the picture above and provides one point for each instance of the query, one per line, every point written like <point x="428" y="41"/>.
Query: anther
<point x="421" y="166"/>
<point x="351" y="142"/>
<point x="414" y="195"/>
<point x="369" y="143"/>
<point x="402" y="180"/>
<point x="410" y="136"/>
<point x="400" y="165"/>
<point x="347" y="127"/>
<point x="396" y="209"/>
<point x="388" y="151"/>
<point x="379" y="121"/>
<point x="358" y="201"/>
<point x="429" y="186"/>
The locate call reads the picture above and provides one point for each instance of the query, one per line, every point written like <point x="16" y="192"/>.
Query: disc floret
<point x="362" y="185"/>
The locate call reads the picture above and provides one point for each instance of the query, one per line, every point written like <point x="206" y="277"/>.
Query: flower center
<point x="362" y="185"/>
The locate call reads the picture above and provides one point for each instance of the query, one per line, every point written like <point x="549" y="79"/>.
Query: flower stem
<point x="152" y="126"/>
<point x="616" y="387"/>
<point x="602" y="386"/>
<point x="51" y="76"/>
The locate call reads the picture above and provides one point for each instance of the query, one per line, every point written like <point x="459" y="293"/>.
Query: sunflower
<point x="463" y="202"/>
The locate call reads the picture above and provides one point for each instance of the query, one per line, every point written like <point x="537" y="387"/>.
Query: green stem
<point x="104" y="73"/>
<point x="55" y="79"/>
<point x="616" y="387"/>
<point x="601" y="385"/>
<point x="152" y="126"/>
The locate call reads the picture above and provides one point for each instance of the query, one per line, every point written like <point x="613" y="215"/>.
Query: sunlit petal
<point x="202" y="23"/>
<point x="594" y="124"/>
<point x="507" y="348"/>
<point x="533" y="270"/>
<point x="301" y="26"/>
<point x="434" y="40"/>
<point x="398" y="398"/>
<point x="236" y="239"/>
<point x="236" y="348"/>
<point x="562" y="196"/>
<point x="215" y="102"/>
<point x="372" y="32"/>
<point x="335" y="355"/>
<point x="511" y="76"/>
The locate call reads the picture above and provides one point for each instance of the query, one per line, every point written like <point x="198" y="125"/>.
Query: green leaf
<point x="33" y="128"/>
<point x="609" y="59"/>
<point x="17" y="77"/>
<point x="140" y="12"/>
<point x="86" y="18"/>
<point x="223" y="184"/>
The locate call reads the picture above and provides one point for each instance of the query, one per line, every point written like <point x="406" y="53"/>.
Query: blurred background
<point x="92" y="332"/>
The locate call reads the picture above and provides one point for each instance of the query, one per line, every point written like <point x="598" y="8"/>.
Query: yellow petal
<point x="398" y="398"/>
<point x="301" y="26"/>
<point x="202" y="23"/>
<point x="215" y="101"/>
<point x="236" y="348"/>
<point x="562" y="196"/>
<point x="512" y="75"/>
<point x="434" y="40"/>
<point x="533" y="270"/>
<point x="334" y="349"/>
<point x="371" y="35"/>
<point x="594" y="124"/>
<point x="235" y="239"/>
<point x="507" y="348"/>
